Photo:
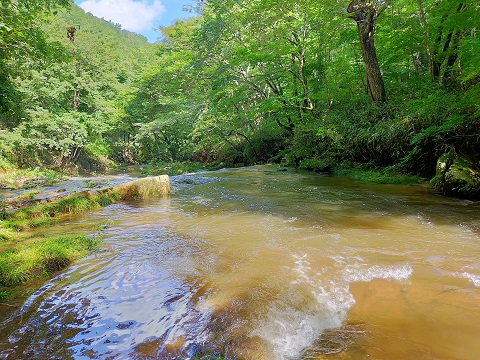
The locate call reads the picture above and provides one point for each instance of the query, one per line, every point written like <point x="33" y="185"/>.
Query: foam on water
<point x="362" y="273"/>
<point x="308" y="308"/>
<point x="314" y="303"/>
<point x="474" y="279"/>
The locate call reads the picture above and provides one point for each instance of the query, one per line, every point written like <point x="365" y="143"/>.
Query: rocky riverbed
<point x="17" y="198"/>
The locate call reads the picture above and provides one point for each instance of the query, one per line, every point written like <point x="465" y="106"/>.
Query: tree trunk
<point x="375" y="86"/>
<point x="448" y="52"/>
<point x="436" y="60"/>
<point x="365" y="15"/>
<point x="449" y="73"/>
<point x="76" y="99"/>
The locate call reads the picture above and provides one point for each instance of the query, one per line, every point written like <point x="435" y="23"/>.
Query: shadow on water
<point x="258" y="264"/>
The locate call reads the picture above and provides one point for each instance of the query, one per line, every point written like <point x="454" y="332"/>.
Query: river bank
<point x="25" y="256"/>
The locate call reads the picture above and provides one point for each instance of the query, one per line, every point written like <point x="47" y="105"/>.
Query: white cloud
<point x="132" y="15"/>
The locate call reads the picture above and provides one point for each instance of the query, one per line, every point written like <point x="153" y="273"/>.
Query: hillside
<point x="66" y="95"/>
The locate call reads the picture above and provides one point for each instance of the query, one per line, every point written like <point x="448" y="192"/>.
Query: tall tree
<point x="268" y="55"/>
<point x="162" y="110"/>
<point x="365" y="14"/>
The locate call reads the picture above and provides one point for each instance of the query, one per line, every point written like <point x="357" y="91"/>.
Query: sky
<point x="140" y="16"/>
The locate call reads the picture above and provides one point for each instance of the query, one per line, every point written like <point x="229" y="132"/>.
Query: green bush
<point x="380" y="176"/>
<point x="316" y="165"/>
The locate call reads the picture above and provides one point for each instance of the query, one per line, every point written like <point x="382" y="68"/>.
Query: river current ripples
<point x="258" y="264"/>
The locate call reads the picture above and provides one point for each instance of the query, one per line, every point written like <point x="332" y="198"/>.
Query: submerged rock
<point x="458" y="176"/>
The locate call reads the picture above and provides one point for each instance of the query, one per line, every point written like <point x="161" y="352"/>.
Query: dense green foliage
<point x="62" y="98"/>
<point x="244" y="82"/>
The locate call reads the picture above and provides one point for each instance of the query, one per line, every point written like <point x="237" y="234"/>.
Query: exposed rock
<point x="144" y="188"/>
<point x="458" y="176"/>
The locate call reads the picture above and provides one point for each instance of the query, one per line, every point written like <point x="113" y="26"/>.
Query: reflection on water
<point x="256" y="264"/>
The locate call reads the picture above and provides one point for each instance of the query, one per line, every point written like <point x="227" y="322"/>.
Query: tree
<point x="21" y="37"/>
<point x="63" y="100"/>
<point x="264" y="62"/>
<point x="365" y="14"/>
<point x="20" y="19"/>
<point x="449" y="26"/>
<point x="165" y="103"/>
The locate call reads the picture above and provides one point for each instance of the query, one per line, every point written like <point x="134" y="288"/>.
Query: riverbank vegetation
<point x="24" y="256"/>
<point x="41" y="258"/>
<point x="45" y="213"/>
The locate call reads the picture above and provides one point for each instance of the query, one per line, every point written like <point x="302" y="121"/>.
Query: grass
<point x="316" y="165"/>
<point x="361" y="173"/>
<point x="379" y="176"/>
<point x="29" y="195"/>
<point x="41" y="258"/>
<point x="6" y="235"/>
<point x="22" y="261"/>
<point x="46" y="214"/>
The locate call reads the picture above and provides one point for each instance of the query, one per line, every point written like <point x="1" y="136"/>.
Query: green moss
<point x="44" y="214"/>
<point x="107" y="198"/>
<point x="22" y="224"/>
<point x="21" y="262"/>
<point x="41" y="258"/>
<point x="458" y="176"/>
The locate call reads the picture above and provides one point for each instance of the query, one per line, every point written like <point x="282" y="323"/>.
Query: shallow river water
<point x="258" y="264"/>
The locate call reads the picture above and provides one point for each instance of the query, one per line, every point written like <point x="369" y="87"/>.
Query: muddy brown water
<point x="258" y="264"/>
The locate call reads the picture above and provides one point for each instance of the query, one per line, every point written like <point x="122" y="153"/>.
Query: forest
<point x="267" y="262"/>
<point x="387" y="85"/>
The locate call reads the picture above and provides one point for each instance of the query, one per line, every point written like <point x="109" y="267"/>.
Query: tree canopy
<point x="391" y="83"/>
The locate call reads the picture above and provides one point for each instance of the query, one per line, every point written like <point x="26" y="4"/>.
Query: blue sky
<point x="140" y="16"/>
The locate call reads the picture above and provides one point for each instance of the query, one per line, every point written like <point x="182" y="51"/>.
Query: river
<point x="253" y="263"/>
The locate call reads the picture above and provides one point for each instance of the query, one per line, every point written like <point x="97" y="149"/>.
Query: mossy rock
<point x="458" y="176"/>
<point x="144" y="188"/>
